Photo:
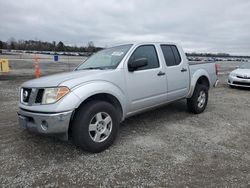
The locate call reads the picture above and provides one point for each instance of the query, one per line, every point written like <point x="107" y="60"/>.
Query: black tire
<point x="193" y="104"/>
<point x="81" y="123"/>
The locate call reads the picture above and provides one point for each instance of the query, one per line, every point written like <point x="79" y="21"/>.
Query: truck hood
<point x="61" y="78"/>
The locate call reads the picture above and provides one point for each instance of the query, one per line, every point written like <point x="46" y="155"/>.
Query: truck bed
<point x="209" y="67"/>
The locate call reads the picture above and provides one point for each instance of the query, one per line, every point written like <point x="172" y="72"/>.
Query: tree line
<point x="38" y="45"/>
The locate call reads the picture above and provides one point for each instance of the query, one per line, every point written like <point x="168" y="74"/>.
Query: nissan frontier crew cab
<point x="88" y="104"/>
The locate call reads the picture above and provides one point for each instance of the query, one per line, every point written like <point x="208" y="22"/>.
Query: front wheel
<point x="95" y="126"/>
<point x="198" y="102"/>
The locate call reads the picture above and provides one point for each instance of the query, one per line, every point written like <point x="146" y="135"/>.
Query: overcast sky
<point x="198" y="25"/>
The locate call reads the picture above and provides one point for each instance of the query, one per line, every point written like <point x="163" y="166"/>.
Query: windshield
<point x="245" y="66"/>
<point x="106" y="59"/>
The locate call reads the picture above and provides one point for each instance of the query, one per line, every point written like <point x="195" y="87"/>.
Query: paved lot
<point x="166" y="147"/>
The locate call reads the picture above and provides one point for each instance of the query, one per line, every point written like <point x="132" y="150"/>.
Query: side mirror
<point x="133" y="65"/>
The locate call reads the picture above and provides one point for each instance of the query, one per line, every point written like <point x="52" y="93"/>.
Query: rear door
<point x="146" y="86"/>
<point x="177" y="72"/>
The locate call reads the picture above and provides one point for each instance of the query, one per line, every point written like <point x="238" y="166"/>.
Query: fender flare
<point x="195" y="77"/>
<point x="92" y="88"/>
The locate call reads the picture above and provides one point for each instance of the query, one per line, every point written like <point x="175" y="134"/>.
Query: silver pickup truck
<point x="88" y="104"/>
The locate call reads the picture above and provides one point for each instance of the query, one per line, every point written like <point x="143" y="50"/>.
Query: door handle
<point x="161" y="73"/>
<point x="183" y="70"/>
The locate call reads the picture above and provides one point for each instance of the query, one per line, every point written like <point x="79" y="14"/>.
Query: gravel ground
<point x="167" y="147"/>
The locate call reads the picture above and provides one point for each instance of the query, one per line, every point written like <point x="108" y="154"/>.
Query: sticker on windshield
<point x="117" y="53"/>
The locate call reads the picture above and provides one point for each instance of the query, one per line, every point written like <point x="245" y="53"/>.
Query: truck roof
<point x="143" y="43"/>
<point x="171" y="43"/>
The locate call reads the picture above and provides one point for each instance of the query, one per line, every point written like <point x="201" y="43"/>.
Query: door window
<point x="148" y="52"/>
<point x="171" y="55"/>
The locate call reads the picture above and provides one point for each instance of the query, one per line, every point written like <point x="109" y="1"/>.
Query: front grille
<point x="242" y="83"/>
<point x="39" y="96"/>
<point x="26" y="94"/>
<point x="243" y="77"/>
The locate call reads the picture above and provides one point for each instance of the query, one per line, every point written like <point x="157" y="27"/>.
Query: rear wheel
<point x="198" y="102"/>
<point x="95" y="126"/>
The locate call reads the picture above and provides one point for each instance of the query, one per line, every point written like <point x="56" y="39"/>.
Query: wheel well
<point x="108" y="98"/>
<point x="203" y="80"/>
<point x="105" y="97"/>
<point x="101" y="97"/>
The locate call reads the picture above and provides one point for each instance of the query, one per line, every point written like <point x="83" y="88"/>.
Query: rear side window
<point x="146" y="51"/>
<point x="176" y="55"/>
<point x="171" y="55"/>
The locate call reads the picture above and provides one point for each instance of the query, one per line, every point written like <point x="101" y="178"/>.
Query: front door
<point x="146" y="85"/>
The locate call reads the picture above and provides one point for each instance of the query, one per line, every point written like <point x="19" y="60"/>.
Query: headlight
<point x="52" y="95"/>
<point x="232" y="74"/>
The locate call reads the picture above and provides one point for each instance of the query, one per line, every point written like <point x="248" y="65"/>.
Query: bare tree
<point x="12" y="43"/>
<point x="90" y="46"/>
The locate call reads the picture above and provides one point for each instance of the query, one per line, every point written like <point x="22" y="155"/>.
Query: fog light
<point x="44" y="125"/>
<point x="229" y="81"/>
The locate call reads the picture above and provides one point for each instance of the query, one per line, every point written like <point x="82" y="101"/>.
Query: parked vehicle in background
<point x="89" y="103"/>
<point x="240" y="77"/>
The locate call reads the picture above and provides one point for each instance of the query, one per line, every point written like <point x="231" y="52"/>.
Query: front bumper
<point x="45" y="123"/>
<point x="239" y="82"/>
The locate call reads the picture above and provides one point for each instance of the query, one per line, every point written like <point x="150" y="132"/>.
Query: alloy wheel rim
<point x="100" y="127"/>
<point x="201" y="99"/>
